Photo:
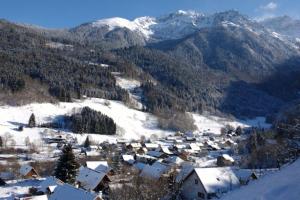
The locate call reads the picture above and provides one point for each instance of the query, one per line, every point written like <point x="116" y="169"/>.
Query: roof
<point x="135" y="145"/>
<point x="101" y="166"/>
<point x="39" y="197"/>
<point x="151" y="145"/>
<point x="194" y="147"/>
<point x="139" y="165"/>
<point x="49" y="182"/>
<point x="154" y="171"/>
<point x="156" y="154"/>
<point x="227" y="157"/>
<point x="217" y="179"/>
<point x="89" y="179"/>
<point x="184" y="172"/>
<point x="128" y="158"/>
<point x="243" y="174"/>
<point x="25" y="169"/>
<point x="174" y="159"/>
<point x="166" y="150"/>
<point x="66" y="191"/>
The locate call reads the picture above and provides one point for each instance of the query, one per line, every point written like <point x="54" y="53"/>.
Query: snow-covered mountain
<point x="177" y="25"/>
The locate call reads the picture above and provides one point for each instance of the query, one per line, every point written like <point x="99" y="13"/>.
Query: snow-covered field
<point x="280" y="185"/>
<point x="131" y="123"/>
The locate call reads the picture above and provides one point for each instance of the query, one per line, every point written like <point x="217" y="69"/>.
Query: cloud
<point x="270" y="7"/>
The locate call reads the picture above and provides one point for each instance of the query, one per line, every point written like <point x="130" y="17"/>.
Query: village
<point x="191" y="165"/>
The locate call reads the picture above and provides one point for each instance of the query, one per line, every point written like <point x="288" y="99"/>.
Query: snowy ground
<point x="280" y="185"/>
<point x="213" y="124"/>
<point x="131" y="123"/>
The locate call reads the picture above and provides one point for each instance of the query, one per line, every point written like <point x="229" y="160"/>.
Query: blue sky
<point x="69" y="13"/>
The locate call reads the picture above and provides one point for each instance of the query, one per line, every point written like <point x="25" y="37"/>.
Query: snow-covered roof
<point x="128" y="158"/>
<point x="154" y="171"/>
<point x="89" y="179"/>
<point x="184" y="172"/>
<point x="194" y="147"/>
<point x="156" y="154"/>
<point x="66" y="191"/>
<point x="166" y="150"/>
<point x="243" y="174"/>
<point x="175" y="160"/>
<point x="25" y="169"/>
<point x="227" y="157"/>
<point x="135" y="145"/>
<point x="217" y="179"/>
<point x="49" y="182"/>
<point x="151" y="145"/>
<point x="101" y="166"/>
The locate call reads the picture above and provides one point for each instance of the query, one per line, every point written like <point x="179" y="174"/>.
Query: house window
<point x="201" y="195"/>
<point x="196" y="181"/>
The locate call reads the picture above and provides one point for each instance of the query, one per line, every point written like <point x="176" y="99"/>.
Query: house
<point x="26" y="171"/>
<point x="100" y="166"/>
<point x="129" y="159"/>
<point x="205" y="183"/>
<point x="154" y="171"/>
<point x="66" y="191"/>
<point x="92" y="180"/>
<point x="225" y="160"/>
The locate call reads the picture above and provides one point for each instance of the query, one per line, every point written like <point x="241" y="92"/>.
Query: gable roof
<point x="25" y="169"/>
<point x="49" y="182"/>
<point x="154" y="171"/>
<point x="100" y="166"/>
<point x="89" y="179"/>
<point x="217" y="179"/>
<point x="66" y="191"/>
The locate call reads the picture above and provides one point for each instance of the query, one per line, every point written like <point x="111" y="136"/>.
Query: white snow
<point x="131" y="124"/>
<point x="212" y="124"/>
<point x="280" y="185"/>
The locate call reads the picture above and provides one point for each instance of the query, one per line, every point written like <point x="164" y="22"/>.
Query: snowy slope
<point x="276" y="186"/>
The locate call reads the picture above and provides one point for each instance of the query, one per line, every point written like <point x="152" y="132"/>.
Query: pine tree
<point x="87" y="142"/>
<point x="67" y="166"/>
<point x="31" y="122"/>
<point x="1" y="142"/>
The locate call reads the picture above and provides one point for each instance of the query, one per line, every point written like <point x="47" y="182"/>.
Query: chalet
<point x="100" y="166"/>
<point x="26" y="171"/>
<point x="225" y="160"/>
<point x="66" y="191"/>
<point x="205" y="183"/>
<point x="92" y="180"/>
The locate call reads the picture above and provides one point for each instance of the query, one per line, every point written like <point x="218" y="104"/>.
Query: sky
<point x="70" y="13"/>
